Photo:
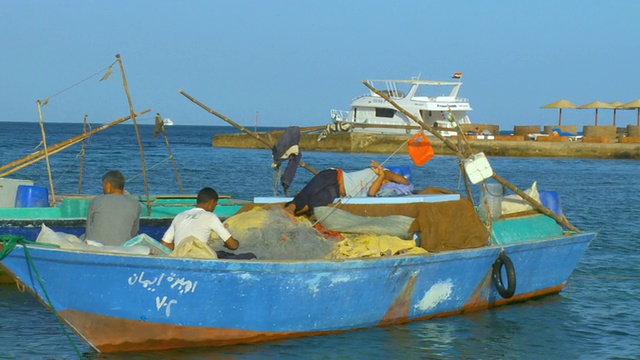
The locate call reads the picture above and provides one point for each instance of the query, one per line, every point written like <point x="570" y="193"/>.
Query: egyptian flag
<point x="456" y="75"/>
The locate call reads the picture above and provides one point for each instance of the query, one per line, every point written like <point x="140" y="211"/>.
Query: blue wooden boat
<point x="138" y="303"/>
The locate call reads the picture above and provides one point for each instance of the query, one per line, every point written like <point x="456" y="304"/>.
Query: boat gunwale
<point x="327" y="264"/>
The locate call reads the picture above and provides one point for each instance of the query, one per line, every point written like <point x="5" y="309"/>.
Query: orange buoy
<point x="420" y="149"/>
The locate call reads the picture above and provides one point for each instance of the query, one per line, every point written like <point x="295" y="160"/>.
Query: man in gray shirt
<point x="113" y="218"/>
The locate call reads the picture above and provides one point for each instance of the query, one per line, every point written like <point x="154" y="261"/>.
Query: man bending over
<point x="199" y="222"/>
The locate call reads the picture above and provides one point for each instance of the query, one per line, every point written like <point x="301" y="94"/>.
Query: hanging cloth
<point x="159" y="127"/>
<point x="420" y="149"/>
<point x="287" y="148"/>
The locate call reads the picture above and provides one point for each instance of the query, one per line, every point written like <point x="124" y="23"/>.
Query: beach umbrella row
<point x="615" y="105"/>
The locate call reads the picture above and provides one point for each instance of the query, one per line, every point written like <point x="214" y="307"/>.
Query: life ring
<point x="510" y="289"/>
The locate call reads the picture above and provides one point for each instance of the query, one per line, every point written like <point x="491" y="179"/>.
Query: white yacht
<point x="168" y="122"/>
<point x="429" y="100"/>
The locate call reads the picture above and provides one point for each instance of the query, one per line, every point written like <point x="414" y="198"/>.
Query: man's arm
<point x="377" y="183"/>
<point x="169" y="236"/>
<point x="169" y="245"/>
<point x="377" y="168"/>
<point x="136" y="222"/>
<point x="396" y="178"/>
<point x="384" y="176"/>
<point x="231" y="243"/>
<point x="90" y="213"/>
<point x="218" y="227"/>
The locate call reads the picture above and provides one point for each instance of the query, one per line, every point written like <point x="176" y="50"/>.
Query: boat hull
<point x="131" y="303"/>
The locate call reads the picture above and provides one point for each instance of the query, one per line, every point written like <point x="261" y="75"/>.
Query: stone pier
<point x="387" y="144"/>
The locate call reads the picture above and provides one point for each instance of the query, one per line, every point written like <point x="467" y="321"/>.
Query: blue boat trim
<point x="408" y="199"/>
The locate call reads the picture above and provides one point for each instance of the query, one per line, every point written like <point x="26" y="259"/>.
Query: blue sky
<point x="293" y="61"/>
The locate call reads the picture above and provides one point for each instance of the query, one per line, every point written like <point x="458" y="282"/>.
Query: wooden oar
<point x="39" y="155"/>
<point x="536" y="204"/>
<point x="239" y="127"/>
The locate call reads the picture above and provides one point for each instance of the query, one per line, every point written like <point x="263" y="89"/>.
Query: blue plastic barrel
<point x="551" y="200"/>
<point x="32" y="196"/>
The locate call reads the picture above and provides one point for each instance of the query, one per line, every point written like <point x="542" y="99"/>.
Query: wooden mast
<point x="39" y="155"/>
<point x="240" y="127"/>
<point x="46" y="154"/>
<point x="84" y="130"/>
<point x="135" y="125"/>
<point x="160" y="123"/>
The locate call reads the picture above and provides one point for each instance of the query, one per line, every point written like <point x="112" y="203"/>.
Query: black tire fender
<point x="510" y="288"/>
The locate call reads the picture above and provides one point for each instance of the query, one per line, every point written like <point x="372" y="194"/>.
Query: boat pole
<point x="46" y="153"/>
<point x="135" y="125"/>
<point x="464" y="173"/>
<point x="240" y="127"/>
<point x="173" y="160"/>
<point x="462" y="138"/>
<point x="536" y="204"/>
<point x="84" y="130"/>
<point x="39" y="155"/>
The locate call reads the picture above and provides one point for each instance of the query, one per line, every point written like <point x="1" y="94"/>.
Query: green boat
<point x="71" y="213"/>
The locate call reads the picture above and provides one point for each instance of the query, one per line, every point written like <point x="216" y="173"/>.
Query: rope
<point x="64" y="172"/>
<point x="78" y="83"/>
<point x="394" y="153"/>
<point x="154" y="166"/>
<point x="75" y="159"/>
<point x="9" y="242"/>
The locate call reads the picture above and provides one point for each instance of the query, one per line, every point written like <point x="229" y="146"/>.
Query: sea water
<point x="595" y="317"/>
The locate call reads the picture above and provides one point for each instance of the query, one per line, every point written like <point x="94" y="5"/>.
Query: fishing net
<point x="369" y="245"/>
<point x="343" y="221"/>
<point x="274" y="235"/>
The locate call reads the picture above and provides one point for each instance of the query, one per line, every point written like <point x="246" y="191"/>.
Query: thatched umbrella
<point x="616" y="105"/>
<point x="596" y="105"/>
<point x="560" y="104"/>
<point x="635" y="104"/>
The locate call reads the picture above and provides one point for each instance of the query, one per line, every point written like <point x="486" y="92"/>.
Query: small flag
<point x="457" y="75"/>
<point x="106" y="75"/>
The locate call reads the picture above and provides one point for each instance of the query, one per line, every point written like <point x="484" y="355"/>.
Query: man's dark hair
<point x="207" y="194"/>
<point x="115" y="178"/>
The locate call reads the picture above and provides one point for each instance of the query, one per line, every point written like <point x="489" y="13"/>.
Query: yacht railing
<point x="339" y="115"/>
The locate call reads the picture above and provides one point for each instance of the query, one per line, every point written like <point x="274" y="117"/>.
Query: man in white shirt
<point x="199" y="222"/>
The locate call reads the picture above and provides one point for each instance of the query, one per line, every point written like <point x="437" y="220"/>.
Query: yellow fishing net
<point x="273" y="234"/>
<point x="369" y="245"/>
